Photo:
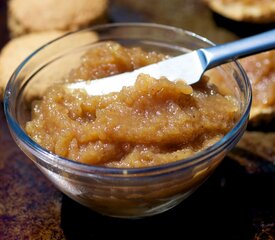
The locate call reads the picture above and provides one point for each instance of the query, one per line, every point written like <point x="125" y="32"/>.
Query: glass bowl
<point x="125" y="193"/>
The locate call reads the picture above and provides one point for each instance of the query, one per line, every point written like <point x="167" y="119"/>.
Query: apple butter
<point x="156" y="121"/>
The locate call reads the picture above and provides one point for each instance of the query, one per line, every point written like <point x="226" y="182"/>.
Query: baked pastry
<point x="26" y="16"/>
<point x="256" y="152"/>
<point x="258" y="11"/>
<point x="260" y="143"/>
<point x="260" y="69"/>
<point x="16" y="50"/>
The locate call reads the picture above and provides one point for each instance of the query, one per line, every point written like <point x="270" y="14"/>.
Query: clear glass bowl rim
<point x="91" y="169"/>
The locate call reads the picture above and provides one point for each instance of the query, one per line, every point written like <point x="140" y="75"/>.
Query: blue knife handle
<point x="223" y="53"/>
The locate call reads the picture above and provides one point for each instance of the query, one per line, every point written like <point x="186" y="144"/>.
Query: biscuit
<point x="16" y="50"/>
<point x="25" y="16"/>
<point x="260" y="69"/>
<point x="256" y="152"/>
<point x="245" y="10"/>
<point x="260" y="143"/>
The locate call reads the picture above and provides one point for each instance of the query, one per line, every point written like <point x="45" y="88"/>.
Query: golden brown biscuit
<point x="26" y="16"/>
<point x="256" y="152"/>
<point x="258" y="11"/>
<point x="260" y="69"/>
<point x="17" y="50"/>
<point x="260" y="143"/>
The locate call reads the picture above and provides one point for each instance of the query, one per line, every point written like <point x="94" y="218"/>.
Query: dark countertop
<point x="237" y="202"/>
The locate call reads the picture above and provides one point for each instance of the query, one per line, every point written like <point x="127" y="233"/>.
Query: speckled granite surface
<point x="237" y="202"/>
<point x="29" y="205"/>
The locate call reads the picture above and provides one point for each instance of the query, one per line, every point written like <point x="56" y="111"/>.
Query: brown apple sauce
<point x="156" y="121"/>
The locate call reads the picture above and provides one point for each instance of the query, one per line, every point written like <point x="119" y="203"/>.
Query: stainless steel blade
<point x="187" y="67"/>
